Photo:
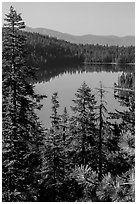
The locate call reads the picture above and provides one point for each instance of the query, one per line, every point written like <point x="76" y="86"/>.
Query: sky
<point x="78" y="18"/>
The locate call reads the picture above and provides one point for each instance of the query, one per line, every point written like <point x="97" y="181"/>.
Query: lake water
<point x="67" y="80"/>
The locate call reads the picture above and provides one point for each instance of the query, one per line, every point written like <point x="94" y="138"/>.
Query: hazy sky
<point x="78" y="18"/>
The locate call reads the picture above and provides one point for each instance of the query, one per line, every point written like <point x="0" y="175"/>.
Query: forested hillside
<point x="51" y="51"/>
<point x="86" y="39"/>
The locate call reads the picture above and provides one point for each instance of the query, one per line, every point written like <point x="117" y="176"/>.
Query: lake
<point x="67" y="80"/>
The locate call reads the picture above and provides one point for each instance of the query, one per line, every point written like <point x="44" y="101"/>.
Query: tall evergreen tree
<point x="66" y="138"/>
<point x="22" y="139"/>
<point x="100" y="117"/>
<point x="83" y="123"/>
<point x="54" y="155"/>
<point x="103" y="132"/>
<point x="64" y="123"/>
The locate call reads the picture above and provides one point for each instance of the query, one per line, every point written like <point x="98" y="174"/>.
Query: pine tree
<point x="83" y="125"/>
<point x="22" y="141"/>
<point x="64" y="124"/>
<point x="66" y="139"/>
<point x="54" y="155"/>
<point x="102" y="130"/>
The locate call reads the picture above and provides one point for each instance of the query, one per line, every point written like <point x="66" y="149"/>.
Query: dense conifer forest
<point x="51" y="51"/>
<point x="86" y="157"/>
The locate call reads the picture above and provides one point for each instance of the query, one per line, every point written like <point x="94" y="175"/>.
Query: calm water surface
<point x="67" y="82"/>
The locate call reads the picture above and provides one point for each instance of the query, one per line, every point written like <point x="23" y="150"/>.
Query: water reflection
<point x="66" y="81"/>
<point x="45" y="74"/>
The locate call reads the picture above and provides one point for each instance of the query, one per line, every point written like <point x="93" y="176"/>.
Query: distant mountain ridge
<point x="86" y="39"/>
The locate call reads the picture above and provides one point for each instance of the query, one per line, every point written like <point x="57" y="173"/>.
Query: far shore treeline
<point x="48" y="51"/>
